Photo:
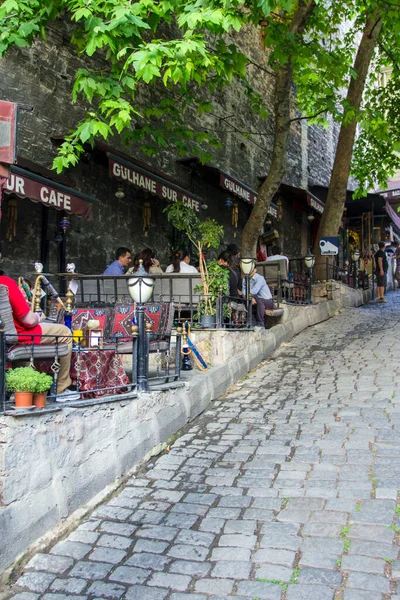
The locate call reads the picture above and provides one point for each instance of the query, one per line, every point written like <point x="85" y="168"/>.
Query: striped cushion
<point x="42" y="351"/>
<point x="7" y="316"/>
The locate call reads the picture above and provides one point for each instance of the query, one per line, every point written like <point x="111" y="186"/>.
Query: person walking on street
<point x="381" y="267"/>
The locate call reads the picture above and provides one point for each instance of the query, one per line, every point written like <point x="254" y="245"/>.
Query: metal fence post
<point x="178" y="353"/>
<point x="327" y="268"/>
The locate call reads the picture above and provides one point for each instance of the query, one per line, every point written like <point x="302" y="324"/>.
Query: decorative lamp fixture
<point x="140" y="289"/>
<point x="235" y="216"/>
<point x="140" y="286"/>
<point x="309" y="260"/>
<point x="120" y="193"/>
<point x="228" y="202"/>
<point x="310" y="218"/>
<point x="355" y="254"/>
<point x="280" y="210"/>
<point x="204" y="206"/>
<point x="247" y="265"/>
<point x="65" y="224"/>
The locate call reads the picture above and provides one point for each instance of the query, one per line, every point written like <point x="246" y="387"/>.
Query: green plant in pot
<point x="42" y="386"/>
<point x="203" y="234"/>
<point x="22" y="382"/>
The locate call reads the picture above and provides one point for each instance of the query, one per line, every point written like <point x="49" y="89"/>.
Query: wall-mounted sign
<point x="130" y="173"/>
<point x="329" y="245"/>
<point x="242" y="191"/>
<point x="8" y="132"/>
<point x="49" y="193"/>
<point x="316" y="204"/>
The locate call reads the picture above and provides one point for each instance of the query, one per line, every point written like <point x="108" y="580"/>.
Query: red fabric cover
<point x="158" y="314"/>
<point x="98" y="370"/>
<point x="20" y="308"/>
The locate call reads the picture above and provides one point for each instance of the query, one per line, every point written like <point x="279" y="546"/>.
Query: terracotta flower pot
<point x="39" y="400"/>
<point x="23" y="399"/>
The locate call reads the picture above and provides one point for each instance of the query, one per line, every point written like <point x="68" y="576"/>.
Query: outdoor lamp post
<point x="247" y="265"/>
<point x="355" y="257"/>
<point x="309" y="261"/>
<point x="140" y="288"/>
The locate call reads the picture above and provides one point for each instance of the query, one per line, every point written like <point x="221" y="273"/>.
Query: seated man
<point x="261" y="296"/>
<point x="27" y="324"/>
<point x="121" y="263"/>
<point x="277" y="253"/>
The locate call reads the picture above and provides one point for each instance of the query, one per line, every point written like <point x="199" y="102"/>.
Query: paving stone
<point x="170" y="580"/>
<point x="191" y="597"/>
<point x="85" y="537"/>
<point x="374" y="512"/>
<point x="90" y="570"/>
<point x="212" y="525"/>
<point x="157" y="533"/>
<point x="274" y="573"/>
<point x="187" y="567"/>
<point x="328" y="546"/>
<point x="317" y="529"/>
<point x="150" y="546"/>
<point x="245" y="527"/>
<point x="284" y="541"/>
<point x="146" y="560"/>
<point x="36" y="582"/>
<point x="309" y="592"/>
<point x="113" y="512"/>
<point x="294" y="515"/>
<point x="351" y="594"/>
<point x="275" y="556"/>
<point x="309" y="575"/>
<point x="317" y="560"/>
<point x="364" y="581"/>
<point x="375" y="533"/>
<point x="241" y="554"/>
<point x="74" y="550"/>
<point x="124" y="529"/>
<point x="238" y="540"/>
<point x="61" y="597"/>
<point x="71" y="585"/>
<point x="47" y="562"/>
<point x="106" y="590"/>
<point x="141" y="592"/>
<point x="188" y="552"/>
<point x="194" y="537"/>
<point x="261" y="590"/>
<point x="107" y="555"/>
<point x="364" y="564"/>
<point x="373" y="549"/>
<point x="114" y="541"/>
<point x="232" y="569"/>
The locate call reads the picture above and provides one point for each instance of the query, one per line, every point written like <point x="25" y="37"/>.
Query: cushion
<point x="24" y="352"/>
<point x="7" y="316"/>
<point x="159" y="314"/>
<point x="80" y="317"/>
<point x="126" y="347"/>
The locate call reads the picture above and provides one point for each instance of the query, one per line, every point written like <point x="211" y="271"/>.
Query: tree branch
<point x="308" y="116"/>
<point x="251" y="62"/>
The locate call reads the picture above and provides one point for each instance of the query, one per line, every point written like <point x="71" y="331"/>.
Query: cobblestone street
<point x="285" y="489"/>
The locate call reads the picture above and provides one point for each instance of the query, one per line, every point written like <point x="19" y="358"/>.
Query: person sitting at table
<point x="181" y="263"/>
<point x="261" y="296"/>
<point x="150" y="263"/>
<point x="122" y="260"/>
<point x="276" y="252"/>
<point x="28" y="323"/>
<point x="234" y="274"/>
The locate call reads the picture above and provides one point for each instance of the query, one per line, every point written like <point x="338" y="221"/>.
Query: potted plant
<point x="21" y="381"/>
<point x="202" y="234"/>
<point x="43" y="383"/>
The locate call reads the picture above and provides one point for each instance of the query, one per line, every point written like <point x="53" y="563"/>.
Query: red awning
<point x="39" y="189"/>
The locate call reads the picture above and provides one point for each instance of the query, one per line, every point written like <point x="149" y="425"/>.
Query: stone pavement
<point x="285" y="489"/>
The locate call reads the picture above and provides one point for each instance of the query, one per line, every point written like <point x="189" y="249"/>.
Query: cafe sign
<point x="157" y="186"/>
<point x="242" y="191"/>
<point x="315" y="204"/>
<point x="39" y="189"/>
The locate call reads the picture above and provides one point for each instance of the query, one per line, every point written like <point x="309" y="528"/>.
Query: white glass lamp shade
<point x="247" y="265"/>
<point x="355" y="255"/>
<point x="140" y="287"/>
<point x="309" y="260"/>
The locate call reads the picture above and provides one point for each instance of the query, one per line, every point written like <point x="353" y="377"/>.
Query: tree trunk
<point x="276" y="172"/>
<point x="334" y="206"/>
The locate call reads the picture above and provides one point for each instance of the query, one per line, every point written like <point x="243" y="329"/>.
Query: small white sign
<point x="329" y="246"/>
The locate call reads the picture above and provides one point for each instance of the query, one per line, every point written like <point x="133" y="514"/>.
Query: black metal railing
<point x="351" y="275"/>
<point x="111" y="369"/>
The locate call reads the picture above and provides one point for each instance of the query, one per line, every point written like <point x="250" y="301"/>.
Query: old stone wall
<point x="42" y="76"/>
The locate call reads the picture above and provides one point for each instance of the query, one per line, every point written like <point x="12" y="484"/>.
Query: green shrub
<point x="26" y="379"/>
